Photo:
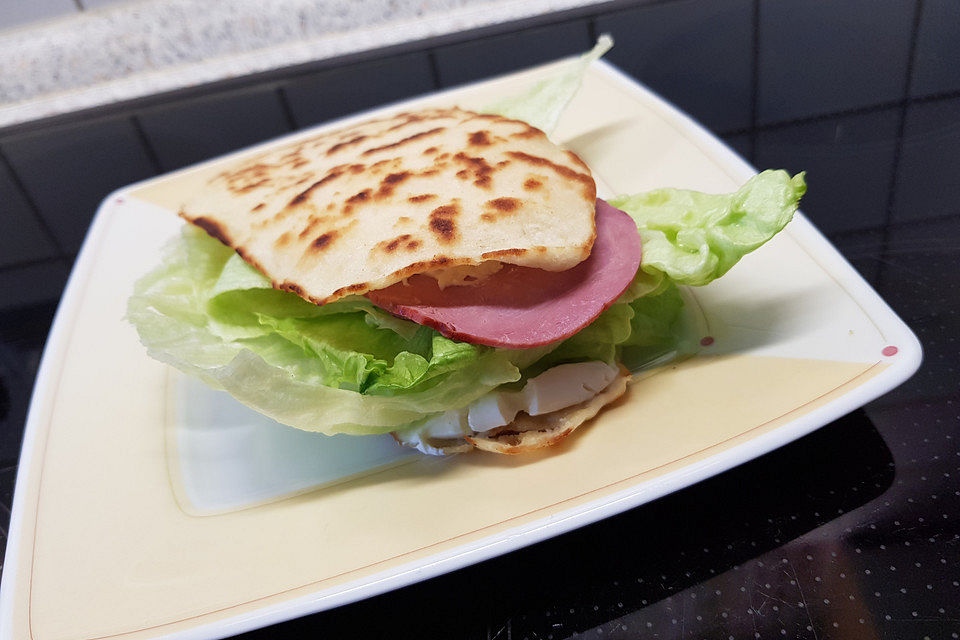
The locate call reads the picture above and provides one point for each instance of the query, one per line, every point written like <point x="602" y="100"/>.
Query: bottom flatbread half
<point x="528" y="433"/>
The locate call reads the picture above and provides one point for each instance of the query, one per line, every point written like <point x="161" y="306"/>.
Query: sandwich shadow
<point x="740" y="325"/>
<point x="598" y="141"/>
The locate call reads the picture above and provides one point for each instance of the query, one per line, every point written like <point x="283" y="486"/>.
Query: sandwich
<point x="442" y="275"/>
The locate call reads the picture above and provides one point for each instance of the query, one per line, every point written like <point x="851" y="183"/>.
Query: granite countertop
<point x="137" y="49"/>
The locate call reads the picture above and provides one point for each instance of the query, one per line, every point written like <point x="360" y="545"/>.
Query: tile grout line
<point x="148" y="149"/>
<point x="901" y="128"/>
<point x="904" y="104"/>
<point x="287" y="109"/>
<point x="592" y="27"/>
<point x="32" y="205"/>
<point x="434" y="68"/>
<point x="755" y="82"/>
<point x="859" y="111"/>
<point x="874" y="108"/>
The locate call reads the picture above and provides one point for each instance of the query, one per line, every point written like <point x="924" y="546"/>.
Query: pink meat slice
<point x="521" y="307"/>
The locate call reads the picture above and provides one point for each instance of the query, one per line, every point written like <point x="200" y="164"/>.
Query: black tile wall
<point x="920" y="265"/>
<point x="837" y="152"/>
<point x="909" y="271"/>
<point x="495" y="55"/>
<point x="35" y="283"/>
<point x="936" y="67"/>
<point x="15" y="383"/>
<point x="69" y="170"/>
<point x="22" y="237"/>
<point x="22" y="335"/>
<point x="864" y="250"/>
<point x="338" y="92"/>
<point x="696" y="53"/>
<point x="819" y="56"/>
<point x="928" y="174"/>
<point x="742" y="144"/>
<point x="186" y="132"/>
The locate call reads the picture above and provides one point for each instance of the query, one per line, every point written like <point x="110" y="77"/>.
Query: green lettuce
<point x="694" y="238"/>
<point x="343" y="367"/>
<point x="543" y="103"/>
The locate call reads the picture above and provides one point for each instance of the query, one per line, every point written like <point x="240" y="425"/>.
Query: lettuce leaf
<point x="694" y="238"/>
<point x="343" y="367"/>
<point x="543" y="103"/>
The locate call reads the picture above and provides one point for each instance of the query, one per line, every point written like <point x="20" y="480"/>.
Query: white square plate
<point x="147" y="505"/>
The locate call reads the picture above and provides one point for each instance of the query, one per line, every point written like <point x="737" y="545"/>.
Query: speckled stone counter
<point x="142" y="48"/>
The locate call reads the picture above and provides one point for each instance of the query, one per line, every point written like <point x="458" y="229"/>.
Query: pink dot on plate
<point x="889" y="351"/>
<point x="706" y="342"/>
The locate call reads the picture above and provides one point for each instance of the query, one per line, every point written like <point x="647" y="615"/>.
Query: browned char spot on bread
<point x="283" y="240"/>
<point x="480" y="138"/>
<point x="589" y="186"/>
<point x="442" y="222"/>
<point x="406" y="118"/>
<point x="399" y="143"/>
<point x="500" y="207"/>
<point x="362" y="196"/>
<point x="444" y="228"/>
<point x="213" y="228"/>
<point x="346" y="143"/>
<point x="528" y="132"/>
<point x="312" y="223"/>
<point x="504" y="205"/>
<point x="476" y="165"/>
<point x="323" y="240"/>
<point x="292" y="287"/>
<point x="250" y="186"/>
<point x="389" y="184"/>
<point x="403" y="241"/>
<point x="358" y="287"/>
<point x="301" y="197"/>
<point x="355" y="200"/>
<point x="501" y="253"/>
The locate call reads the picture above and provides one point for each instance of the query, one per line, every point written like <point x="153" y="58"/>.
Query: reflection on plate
<point x="226" y="456"/>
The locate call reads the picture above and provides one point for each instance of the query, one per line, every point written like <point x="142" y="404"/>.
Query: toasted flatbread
<point x="364" y="207"/>
<point x="528" y="433"/>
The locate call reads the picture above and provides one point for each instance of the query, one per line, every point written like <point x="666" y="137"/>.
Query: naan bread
<point x="361" y="208"/>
